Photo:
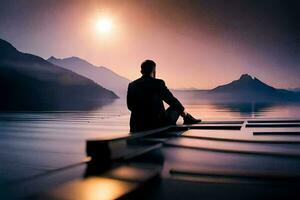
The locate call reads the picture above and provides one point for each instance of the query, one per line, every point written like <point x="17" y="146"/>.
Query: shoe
<point x="189" y="119"/>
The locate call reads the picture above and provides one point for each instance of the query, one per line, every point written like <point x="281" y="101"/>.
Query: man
<point x="145" y="98"/>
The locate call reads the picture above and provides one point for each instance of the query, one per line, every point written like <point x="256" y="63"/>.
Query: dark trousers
<point x="172" y="116"/>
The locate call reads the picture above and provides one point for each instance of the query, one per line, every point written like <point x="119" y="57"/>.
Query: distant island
<point x="245" y="89"/>
<point x="29" y="82"/>
<point x="101" y="75"/>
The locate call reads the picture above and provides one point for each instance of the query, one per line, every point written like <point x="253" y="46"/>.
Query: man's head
<point x="148" y="68"/>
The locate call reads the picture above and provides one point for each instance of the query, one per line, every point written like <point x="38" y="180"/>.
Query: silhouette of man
<point x="145" y="98"/>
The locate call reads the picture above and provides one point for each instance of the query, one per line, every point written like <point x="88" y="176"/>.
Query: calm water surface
<point x="32" y="143"/>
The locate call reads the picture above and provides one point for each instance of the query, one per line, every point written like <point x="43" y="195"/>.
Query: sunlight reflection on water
<point x="34" y="142"/>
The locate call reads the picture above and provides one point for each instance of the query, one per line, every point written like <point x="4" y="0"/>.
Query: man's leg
<point x="172" y="116"/>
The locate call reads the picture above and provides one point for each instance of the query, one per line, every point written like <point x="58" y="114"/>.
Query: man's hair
<point x="147" y="67"/>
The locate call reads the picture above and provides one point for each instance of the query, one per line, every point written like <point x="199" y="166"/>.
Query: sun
<point x="104" y="25"/>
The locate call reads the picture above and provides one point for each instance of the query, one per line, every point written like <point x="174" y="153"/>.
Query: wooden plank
<point x="288" y="133"/>
<point x="121" y="151"/>
<point x="272" y="125"/>
<point x="214" y="127"/>
<point x="243" y="140"/>
<point x="241" y="174"/>
<point x="132" y="135"/>
<point x="108" y="150"/>
<point x="142" y="149"/>
<point x="274" y="121"/>
<point x="232" y="147"/>
<point x="221" y="122"/>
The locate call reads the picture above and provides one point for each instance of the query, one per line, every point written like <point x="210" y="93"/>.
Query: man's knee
<point x="172" y="115"/>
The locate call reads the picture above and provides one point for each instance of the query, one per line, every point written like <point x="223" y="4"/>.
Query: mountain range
<point x="101" y="75"/>
<point x="245" y="89"/>
<point x="29" y="82"/>
<point x="295" y="89"/>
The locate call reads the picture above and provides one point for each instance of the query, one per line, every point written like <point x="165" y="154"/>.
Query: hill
<point x="28" y="82"/>
<point x="245" y="89"/>
<point x="100" y="75"/>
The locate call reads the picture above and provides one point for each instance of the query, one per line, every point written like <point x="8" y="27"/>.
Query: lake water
<point x="32" y="143"/>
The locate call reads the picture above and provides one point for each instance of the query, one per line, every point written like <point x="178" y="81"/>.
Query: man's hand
<point x="183" y="114"/>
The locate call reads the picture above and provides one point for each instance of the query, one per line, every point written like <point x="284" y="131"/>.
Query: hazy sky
<point x="199" y="44"/>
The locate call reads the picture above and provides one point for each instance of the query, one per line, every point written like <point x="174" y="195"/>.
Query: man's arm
<point x="169" y="98"/>
<point x="129" y="98"/>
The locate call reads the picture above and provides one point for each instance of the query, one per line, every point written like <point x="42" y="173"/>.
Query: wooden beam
<point x="272" y="125"/>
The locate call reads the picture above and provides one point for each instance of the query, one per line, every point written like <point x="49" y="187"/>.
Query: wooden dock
<point x="245" y="159"/>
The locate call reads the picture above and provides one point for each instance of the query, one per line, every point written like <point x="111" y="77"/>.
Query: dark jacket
<point x="145" y="98"/>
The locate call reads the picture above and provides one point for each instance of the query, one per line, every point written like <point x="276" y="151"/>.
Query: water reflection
<point x="246" y="109"/>
<point x="209" y="109"/>
<point x="31" y="142"/>
<point x="94" y="188"/>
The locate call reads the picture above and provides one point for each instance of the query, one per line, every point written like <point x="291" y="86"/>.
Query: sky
<point x="195" y="43"/>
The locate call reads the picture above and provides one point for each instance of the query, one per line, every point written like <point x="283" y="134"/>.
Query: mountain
<point x="245" y="89"/>
<point x="294" y="89"/>
<point x="245" y="84"/>
<point x="100" y="75"/>
<point x="28" y="82"/>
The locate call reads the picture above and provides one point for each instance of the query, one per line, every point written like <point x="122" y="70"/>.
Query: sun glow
<point x="104" y="25"/>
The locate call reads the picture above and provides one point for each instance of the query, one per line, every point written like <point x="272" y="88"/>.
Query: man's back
<point x="145" y="101"/>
